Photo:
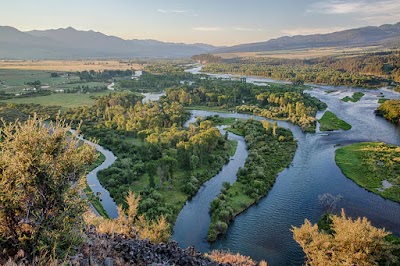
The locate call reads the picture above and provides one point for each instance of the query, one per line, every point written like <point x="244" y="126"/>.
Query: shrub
<point x="41" y="170"/>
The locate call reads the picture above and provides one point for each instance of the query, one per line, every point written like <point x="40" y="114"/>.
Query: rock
<point x="108" y="262"/>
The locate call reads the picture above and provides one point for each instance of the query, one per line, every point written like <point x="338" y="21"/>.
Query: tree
<point x="40" y="200"/>
<point x="353" y="242"/>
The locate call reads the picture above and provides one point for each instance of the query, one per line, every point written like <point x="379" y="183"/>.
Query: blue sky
<point x="218" y="22"/>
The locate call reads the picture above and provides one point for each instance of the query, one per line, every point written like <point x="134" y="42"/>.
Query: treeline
<point x="271" y="149"/>
<point x="206" y="58"/>
<point x="149" y="82"/>
<point x="104" y="75"/>
<point x="159" y="159"/>
<point x="390" y="110"/>
<point x="10" y="112"/>
<point x="371" y="70"/>
<point x="164" y="68"/>
<point x="285" y="102"/>
<point x="85" y="89"/>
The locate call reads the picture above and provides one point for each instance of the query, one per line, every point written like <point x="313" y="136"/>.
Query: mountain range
<point x="70" y="43"/>
<point x="386" y="35"/>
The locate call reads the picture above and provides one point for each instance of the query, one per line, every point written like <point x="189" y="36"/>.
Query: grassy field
<point x="382" y="100"/>
<point x="354" y="98"/>
<point x="306" y="53"/>
<point x="329" y="121"/>
<point x="16" y="81"/>
<point x="370" y="163"/>
<point x="65" y="100"/>
<point x="69" y="65"/>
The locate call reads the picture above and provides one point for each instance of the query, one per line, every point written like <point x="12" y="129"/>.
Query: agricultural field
<point x="305" y="53"/>
<point x="69" y="65"/>
<point x="65" y="100"/>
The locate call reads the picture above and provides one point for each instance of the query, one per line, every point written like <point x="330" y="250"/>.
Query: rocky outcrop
<point x="104" y="250"/>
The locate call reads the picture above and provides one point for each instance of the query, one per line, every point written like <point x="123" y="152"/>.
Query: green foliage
<point x="329" y="121"/>
<point x="268" y="155"/>
<point x="156" y="157"/>
<point x="390" y="110"/>
<point x="284" y="102"/>
<point x="354" y="98"/>
<point x="64" y="100"/>
<point x="104" y="75"/>
<point x="382" y="100"/>
<point x="149" y="82"/>
<point x="370" y="163"/>
<point x="40" y="202"/>
<point x="370" y="70"/>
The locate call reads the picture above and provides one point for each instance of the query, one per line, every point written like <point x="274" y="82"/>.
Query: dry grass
<point x="69" y="65"/>
<point x="305" y="53"/>
<point x="221" y="256"/>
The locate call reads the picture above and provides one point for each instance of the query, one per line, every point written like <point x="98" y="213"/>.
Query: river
<point x="192" y="224"/>
<point x="263" y="231"/>
<point x="92" y="180"/>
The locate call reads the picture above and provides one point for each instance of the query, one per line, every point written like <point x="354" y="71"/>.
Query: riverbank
<point x="271" y="149"/>
<point x="373" y="166"/>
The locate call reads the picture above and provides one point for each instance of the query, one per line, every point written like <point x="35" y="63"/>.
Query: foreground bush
<point x="353" y="242"/>
<point x="131" y="224"/>
<point x="40" y="201"/>
<point x="237" y="259"/>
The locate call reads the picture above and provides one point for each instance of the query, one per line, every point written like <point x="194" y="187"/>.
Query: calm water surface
<point x="263" y="231"/>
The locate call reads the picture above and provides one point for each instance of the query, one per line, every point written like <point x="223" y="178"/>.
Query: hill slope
<point x="366" y="36"/>
<point x="70" y="43"/>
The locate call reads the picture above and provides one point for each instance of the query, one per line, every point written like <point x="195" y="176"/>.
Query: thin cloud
<point x="207" y="28"/>
<point x="362" y="7"/>
<point x="308" y="31"/>
<point x="171" y="11"/>
<point x="246" y="29"/>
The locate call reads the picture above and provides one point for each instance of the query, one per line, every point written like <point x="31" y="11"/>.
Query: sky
<point x="217" y="22"/>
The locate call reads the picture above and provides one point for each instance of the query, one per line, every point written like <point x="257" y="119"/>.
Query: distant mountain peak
<point x="70" y="43"/>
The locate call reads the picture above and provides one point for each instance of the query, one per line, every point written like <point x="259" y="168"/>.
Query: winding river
<point x="94" y="183"/>
<point x="263" y="231"/>
<point x="192" y="224"/>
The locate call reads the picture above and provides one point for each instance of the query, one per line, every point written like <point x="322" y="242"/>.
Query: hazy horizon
<point x="216" y="22"/>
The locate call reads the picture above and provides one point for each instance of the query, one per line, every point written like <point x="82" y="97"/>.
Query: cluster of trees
<point x="284" y="102"/>
<point x="271" y="149"/>
<point x="390" y="110"/>
<point x="164" y="67"/>
<point x="10" y="112"/>
<point x="156" y="156"/>
<point x="35" y="83"/>
<point x="149" y="82"/>
<point x="104" y="75"/>
<point x="85" y="89"/>
<point x="371" y="70"/>
<point x="206" y="58"/>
